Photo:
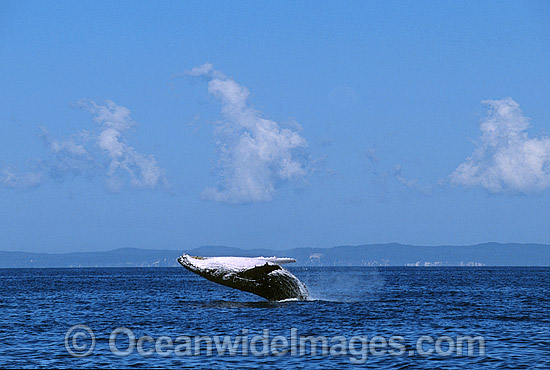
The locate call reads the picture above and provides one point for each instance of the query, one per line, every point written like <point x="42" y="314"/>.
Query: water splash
<point x="354" y="286"/>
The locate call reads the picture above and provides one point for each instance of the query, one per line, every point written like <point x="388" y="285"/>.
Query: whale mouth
<point x="262" y="276"/>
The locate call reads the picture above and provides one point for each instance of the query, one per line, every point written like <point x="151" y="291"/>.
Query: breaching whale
<point x="260" y="275"/>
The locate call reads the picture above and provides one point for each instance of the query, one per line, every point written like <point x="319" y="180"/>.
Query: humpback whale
<point x="262" y="276"/>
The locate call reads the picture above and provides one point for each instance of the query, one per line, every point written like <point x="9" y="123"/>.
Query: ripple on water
<point x="508" y="306"/>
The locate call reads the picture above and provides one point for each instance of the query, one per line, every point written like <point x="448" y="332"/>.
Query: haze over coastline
<point x="393" y="254"/>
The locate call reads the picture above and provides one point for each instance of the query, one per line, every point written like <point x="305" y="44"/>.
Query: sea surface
<point x="507" y="307"/>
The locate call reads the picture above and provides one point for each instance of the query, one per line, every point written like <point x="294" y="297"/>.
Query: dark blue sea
<point x="358" y="317"/>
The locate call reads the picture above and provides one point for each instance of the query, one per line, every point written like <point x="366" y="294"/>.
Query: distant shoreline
<point x="373" y="255"/>
<point x="287" y="267"/>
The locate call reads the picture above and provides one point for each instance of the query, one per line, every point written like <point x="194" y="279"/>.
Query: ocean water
<point x="507" y="307"/>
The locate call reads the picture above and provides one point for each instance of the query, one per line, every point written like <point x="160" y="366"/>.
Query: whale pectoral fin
<point x="258" y="271"/>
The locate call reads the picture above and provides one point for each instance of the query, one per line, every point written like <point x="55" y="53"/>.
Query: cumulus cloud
<point x="103" y="149"/>
<point x="506" y="159"/>
<point x="115" y="121"/>
<point x="255" y="154"/>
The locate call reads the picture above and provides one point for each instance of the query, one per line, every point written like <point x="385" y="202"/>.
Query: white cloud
<point x="411" y="184"/>
<point x="68" y="146"/>
<point x="104" y="149"/>
<point x="115" y="121"/>
<point x="9" y="178"/>
<point x="255" y="154"/>
<point x="67" y="157"/>
<point x="506" y="159"/>
<point x="202" y="70"/>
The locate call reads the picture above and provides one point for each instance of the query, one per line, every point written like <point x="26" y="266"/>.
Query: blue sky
<point x="283" y="124"/>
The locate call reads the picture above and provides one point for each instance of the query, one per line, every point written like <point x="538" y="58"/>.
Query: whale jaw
<point x="260" y="276"/>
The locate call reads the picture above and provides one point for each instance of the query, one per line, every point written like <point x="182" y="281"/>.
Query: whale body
<point x="262" y="276"/>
